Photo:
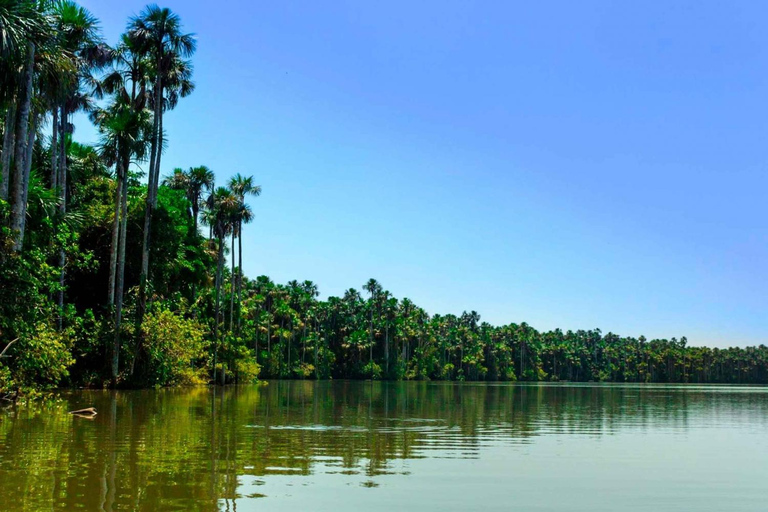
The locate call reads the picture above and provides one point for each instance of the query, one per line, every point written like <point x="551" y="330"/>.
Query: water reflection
<point x="217" y="449"/>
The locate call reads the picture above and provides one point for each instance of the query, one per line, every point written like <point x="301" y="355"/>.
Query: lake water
<point x="362" y="446"/>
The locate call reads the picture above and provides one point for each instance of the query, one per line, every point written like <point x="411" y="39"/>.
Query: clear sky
<point x="569" y="164"/>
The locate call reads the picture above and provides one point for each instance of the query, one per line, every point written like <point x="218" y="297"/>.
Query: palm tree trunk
<point x="9" y="141"/>
<point x="62" y="150"/>
<point x="27" y="172"/>
<point x="115" y="232"/>
<point x="232" y="283"/>
<point x="195" y="213"/>
<point x="256" y="346"/>
<point x="290" y="339"/>
<point x="317" y="342"/>
<point x="152" y="179"/>
<point x="62" y="205"/>
<point x="54" y="148"/>
<point x="120" y="274"/>
<point x="217" y="307"/>
<point x="239" y="273"/>
<point x="142" y="303"/>
<point x="158" y="156"/>
<point x="19" y="209"/>
<point x="31" y="138"/>
<point x="156" y="144"/>
<point x="370" y="336"/>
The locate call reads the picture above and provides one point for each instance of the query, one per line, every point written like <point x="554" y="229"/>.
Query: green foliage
<point x="176" y="350"/>
<point x="246" y="369"/>
<point x="43" y="358"/>
<point x="372" y="370"/>
<point x="6" y="379"/>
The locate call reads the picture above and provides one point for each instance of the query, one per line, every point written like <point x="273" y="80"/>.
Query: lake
<point x="373" y="446"/>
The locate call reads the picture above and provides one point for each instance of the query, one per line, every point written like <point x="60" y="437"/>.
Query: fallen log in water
<point x="91" y="411"/>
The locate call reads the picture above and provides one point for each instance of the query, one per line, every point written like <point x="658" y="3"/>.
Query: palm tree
<point x="124" y="123"/>
<point x="80" y="41"/>
<point x="374" y="288"/>
<point x="242" y="215"/>
<point x="158" y="33"/>
<point x="20" y="20"/>
<point x="200" y="180"/>
<point x="309" y="293"/>
<point x="178" y="180"/>
<point x="78" y="36"/>
<point x="219" y="215"/>
<point x="23" y="28"/>
<point x="193" y="182"/>
<point x="18" y="211"/>
<point x="125" y="127"/>
<point x="124" y="135"/>
<point x="241" y="187"/>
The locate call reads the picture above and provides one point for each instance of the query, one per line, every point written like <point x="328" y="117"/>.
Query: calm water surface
<point x="361" y="446"/>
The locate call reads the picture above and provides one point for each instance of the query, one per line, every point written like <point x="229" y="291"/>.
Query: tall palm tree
<point x="241" y="187"/>
<point x="79" y="37"/>
<point x="125" y="127"/>
<point x="24" y="26"/>
<point x="123" y="124"/>
<point x="219" y="215"/>
<point x="374" y="288"/>
<point x="124" y="135"/>
<point x="18" y="209"/>
<point x="23" y="30"/>
<point x="242" y="215"/>
<point x="158" y="33"/>
<point x="200" y="180"/>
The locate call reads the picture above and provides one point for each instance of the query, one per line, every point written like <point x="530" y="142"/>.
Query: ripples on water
<point x="378" y="446"/>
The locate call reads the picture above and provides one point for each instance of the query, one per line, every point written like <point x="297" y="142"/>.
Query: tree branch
<point x="2" y="354"/>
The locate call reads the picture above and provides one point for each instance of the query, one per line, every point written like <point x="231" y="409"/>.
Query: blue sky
<point x="569" y="164"/>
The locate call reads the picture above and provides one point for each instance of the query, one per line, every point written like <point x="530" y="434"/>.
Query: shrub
<point x="372" y="371"/>
<point x="40" y="359"/>
<point x="247" y="370"/>
<point x="176" y="350"/>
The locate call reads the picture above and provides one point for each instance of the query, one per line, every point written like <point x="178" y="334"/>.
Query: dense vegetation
<point x="78" y="308"/>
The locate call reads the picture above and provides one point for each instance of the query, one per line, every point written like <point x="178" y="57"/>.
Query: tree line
<point x="78" y="308"/>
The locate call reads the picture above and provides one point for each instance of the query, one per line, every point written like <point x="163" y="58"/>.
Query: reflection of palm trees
<point x="108" y="501"/>
<point x="191" y="445"/>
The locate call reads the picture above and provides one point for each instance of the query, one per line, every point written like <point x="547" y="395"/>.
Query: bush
<point x="40" y="359"/>
<point x="372" y="371"/>
<point x="247" y="370"/>
<point x="176" y="350"/>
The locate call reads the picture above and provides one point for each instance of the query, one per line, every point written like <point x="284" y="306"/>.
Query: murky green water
<point x="356" y="446"/>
